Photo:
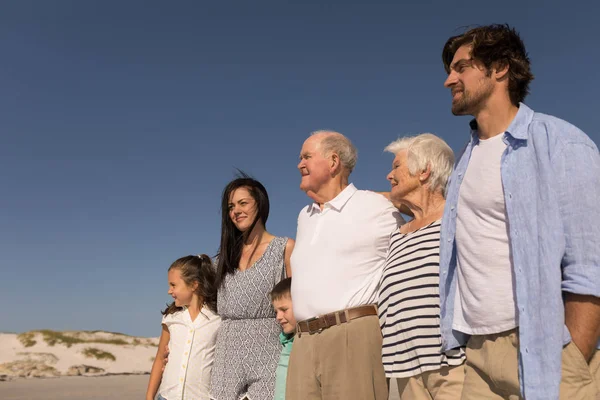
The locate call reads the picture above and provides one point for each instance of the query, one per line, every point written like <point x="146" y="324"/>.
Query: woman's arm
<point x="289" y="247"/>
<point x="157" y="366"/>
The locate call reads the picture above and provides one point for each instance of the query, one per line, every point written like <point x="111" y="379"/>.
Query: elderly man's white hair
<point x="335" y="142"/>
<point x="423" y="150"/>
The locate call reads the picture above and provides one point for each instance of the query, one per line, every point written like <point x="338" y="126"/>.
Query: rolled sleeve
<point x="578" y="172"/>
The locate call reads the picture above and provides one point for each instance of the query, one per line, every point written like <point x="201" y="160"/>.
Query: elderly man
<point x="341" y="246"/>
<point x="520" y="255"/>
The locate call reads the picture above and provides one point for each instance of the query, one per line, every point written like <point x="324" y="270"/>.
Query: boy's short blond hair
<point x="282" y="289"/>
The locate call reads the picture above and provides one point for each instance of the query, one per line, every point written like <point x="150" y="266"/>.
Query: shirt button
<point x="186" y="353"/>
<point x="510" y="195"/>
<point x="449" y="240"/>
<point x="526" y="350"/>
<point x="180" y="379"/>
<point x="183" y="366"/>
<point x="452" y="208"/>
<point x="191" y="331"/>
<point x="189" y="341"/>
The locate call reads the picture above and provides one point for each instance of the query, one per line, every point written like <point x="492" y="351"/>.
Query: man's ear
<point x="334" y="163"/>
<point x="501" y="70"/>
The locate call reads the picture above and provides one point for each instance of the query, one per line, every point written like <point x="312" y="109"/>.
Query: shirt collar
<point x="204" y="311"/>
<point x="285" y="338"/>
<point x="338" y="201"/>
<point x="207" y="313"/>
<point x="517" y="128"/>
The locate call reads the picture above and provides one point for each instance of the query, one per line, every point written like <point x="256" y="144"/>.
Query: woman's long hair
<point x="232" y="239"/>
<point x="197" y="269"/>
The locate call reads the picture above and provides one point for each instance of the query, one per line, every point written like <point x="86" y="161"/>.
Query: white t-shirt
<point x="340" y="252"/>
<point x="191" y="354"/>
<point x="485" y="299"/>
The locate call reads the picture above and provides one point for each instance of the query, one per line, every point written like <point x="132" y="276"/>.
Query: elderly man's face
<point x="314" y="168"/>
<point x="403" y="183"/>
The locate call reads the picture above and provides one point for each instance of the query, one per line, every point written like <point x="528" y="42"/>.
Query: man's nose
<point x="450" y="80"/>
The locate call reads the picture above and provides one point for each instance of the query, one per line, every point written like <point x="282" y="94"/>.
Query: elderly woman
<point x="409" y="303"/>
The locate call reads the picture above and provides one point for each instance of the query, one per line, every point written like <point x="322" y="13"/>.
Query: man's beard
<point x="470" y="102"/>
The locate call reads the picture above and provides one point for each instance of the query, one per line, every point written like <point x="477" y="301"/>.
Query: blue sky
<point x="123" y="121"/>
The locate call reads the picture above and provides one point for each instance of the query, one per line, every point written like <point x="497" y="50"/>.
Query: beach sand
<point x="120" y="387"/>
<point x="113" y="387"/>
<point x="130" y="357"/>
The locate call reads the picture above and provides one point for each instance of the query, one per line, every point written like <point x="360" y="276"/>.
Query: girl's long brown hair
<point x="197" y="269"/>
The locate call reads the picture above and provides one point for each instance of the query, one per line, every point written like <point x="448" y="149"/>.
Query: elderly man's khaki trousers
<point x="342" y="362"/>
<point x="492" y="370"/>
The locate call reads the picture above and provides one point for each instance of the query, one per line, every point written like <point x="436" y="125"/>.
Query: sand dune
<point x="51" y="354"/>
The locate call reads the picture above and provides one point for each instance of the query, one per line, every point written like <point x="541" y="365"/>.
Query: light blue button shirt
<point x="551" y="180"/>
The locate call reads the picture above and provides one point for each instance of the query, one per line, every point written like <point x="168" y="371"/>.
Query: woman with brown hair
<point x="251" y="261"/>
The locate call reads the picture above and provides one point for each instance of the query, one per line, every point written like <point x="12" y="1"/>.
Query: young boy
<point x="282" y="303"/>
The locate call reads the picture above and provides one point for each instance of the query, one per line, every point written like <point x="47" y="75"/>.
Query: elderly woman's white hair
<point x="423" y="150"/>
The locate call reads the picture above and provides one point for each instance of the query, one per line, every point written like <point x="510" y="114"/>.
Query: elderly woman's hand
<point x="401" y="207"/>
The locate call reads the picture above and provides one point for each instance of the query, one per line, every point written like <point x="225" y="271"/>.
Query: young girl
<point x="189" y="328"/>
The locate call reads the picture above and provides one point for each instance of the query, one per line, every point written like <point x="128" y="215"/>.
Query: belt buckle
<point x="308" y="321"/>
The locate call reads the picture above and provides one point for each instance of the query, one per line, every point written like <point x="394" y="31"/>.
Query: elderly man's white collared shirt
<point x="191" y="354"/>
<point x="340" y="252"/>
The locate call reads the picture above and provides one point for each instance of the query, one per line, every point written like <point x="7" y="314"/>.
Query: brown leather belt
<point x="317" y="324"/>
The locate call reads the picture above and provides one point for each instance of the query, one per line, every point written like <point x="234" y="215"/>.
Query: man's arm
<point x="582" y="317"/>
<point x="578" y="189"/>
<point x="401" y="207"/>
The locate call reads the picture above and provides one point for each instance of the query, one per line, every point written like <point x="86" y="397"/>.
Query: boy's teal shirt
<point x="287" y="340"/>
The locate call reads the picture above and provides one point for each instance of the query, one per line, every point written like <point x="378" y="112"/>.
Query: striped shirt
<point x="409" y="305"/>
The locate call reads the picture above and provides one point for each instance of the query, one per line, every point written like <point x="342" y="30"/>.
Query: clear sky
<point x="122" y="121"/>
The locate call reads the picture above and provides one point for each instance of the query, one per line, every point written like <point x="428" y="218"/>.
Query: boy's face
<point x="285" y="314"/>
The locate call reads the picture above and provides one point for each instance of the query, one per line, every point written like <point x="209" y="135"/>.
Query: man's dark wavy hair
<point x="498" y="46"/>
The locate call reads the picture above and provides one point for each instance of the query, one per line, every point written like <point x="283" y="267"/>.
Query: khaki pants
<point x="492" y="370"/>
<point x="342" y="362"/>
<point x="443" y="384"/>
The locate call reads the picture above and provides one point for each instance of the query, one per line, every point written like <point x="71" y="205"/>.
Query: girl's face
<point x="179" y="290"/>
<point x="242" y="208"/>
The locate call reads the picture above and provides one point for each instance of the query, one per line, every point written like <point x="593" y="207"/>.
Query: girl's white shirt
<point x="191" y="355"/>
